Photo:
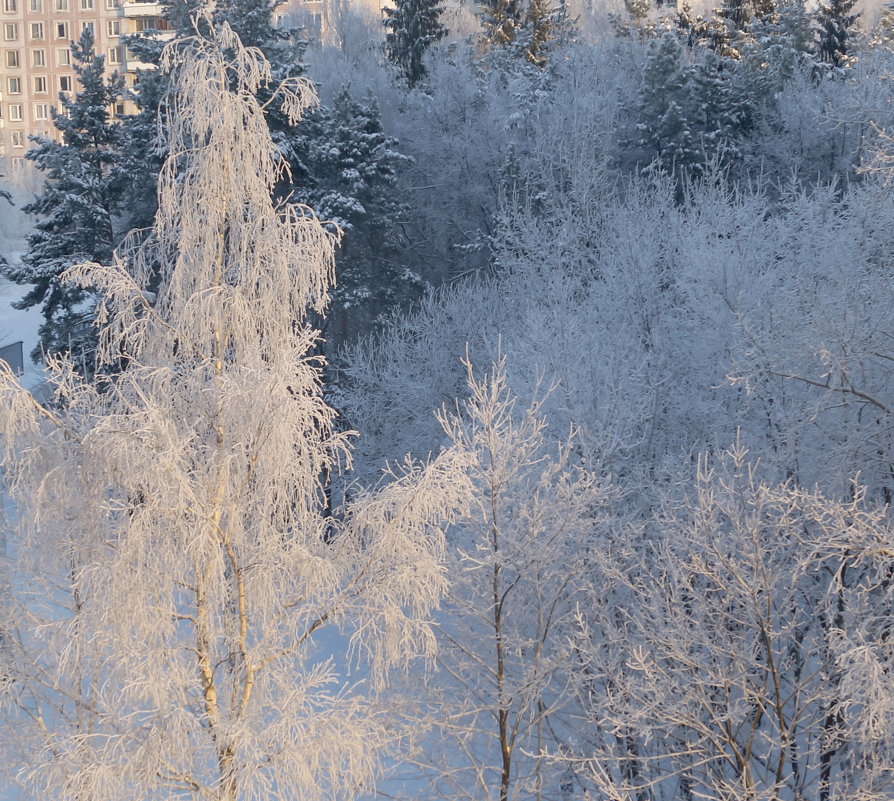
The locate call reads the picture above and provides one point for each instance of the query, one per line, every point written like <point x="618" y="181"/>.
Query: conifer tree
<point x="736" y="14"/>
<point x="144" y="150"/>
<point x="691" y="114"/>
<point x="413" y="26"/>
<point x="544" y="23"/>
<point x="638" y="10"/>
<point x="781" y="46"/>
<point x="77" y="209"/>
<point x="663" y="130"/>
<point x="353" y="165"/>
<point x="739" y="15"/>
<point x="501" y="21"/>
<point x="835" y="20"/>
<point x="526" y="31"/>
<point x="764" y="9"/>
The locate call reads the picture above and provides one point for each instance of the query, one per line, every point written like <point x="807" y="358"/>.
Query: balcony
<point x="143" y="18"/>
<point x="133" y="10"/>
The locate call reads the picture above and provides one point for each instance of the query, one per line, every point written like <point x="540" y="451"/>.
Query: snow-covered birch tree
<point x="517" y="560"/>
<point x="174" y="573"/>
<point x="726" y="652"/>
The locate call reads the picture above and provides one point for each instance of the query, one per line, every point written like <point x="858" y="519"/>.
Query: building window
<point x="38" y="58"/>
<point x="151" y="24"/>
<point x="113" y="27"/>
<point x="37" y="30"/>
<point x="119" y="109"/>
<point x="17" y="164"/>
<point x="36" y="6"/>
<point x="14" y="85"/>
<point x="15" y="112"/>
<point x="61" y="30"/>
<point x="60" y="5"/>
<point x="65" y="83"/>
<point x="41" y="111"/>
<point x="40" y="84"/>
<point x="114" y="55"/>
<point x="88" y="26"/>
<point x="12" y="58"/>
<point x="110" y="4"/>
<point x="10" y="31"/>
<point x="63" y="56"/>
<point x="10" y="6"/>
<point x="86" y="5"/>
<point x="17" y="138"/>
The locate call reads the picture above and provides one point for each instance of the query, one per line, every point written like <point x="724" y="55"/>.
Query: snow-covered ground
<point x="18" y="326"/>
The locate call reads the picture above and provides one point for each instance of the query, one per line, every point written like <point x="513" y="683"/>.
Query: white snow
<point x="18" y="325"/>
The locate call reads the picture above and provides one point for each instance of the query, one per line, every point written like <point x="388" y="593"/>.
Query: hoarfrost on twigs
<point x="176" y="565"/>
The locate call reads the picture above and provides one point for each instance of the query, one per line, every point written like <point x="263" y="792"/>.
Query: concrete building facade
<point x="35" y="58"/>
<point x="36" y="62"/>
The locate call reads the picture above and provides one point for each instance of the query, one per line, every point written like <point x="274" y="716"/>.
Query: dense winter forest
<point x="486" y="404"/>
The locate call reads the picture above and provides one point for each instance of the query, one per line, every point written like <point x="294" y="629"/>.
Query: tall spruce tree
<point x="782" y="46"/>
<point x="691" y="111"/>
<point x="413" y="26"/>
<point x="526" y="30"/>
<point x="77" y="209"/>
<point x="354" y="166"/>
<point x="501" y="22"/>
<point x="543" y="23"/>
<point x="638" y="10"/>
<point x="835" y="20"/>
<point x="736" y="14"/>
<point x="739" y="15"/>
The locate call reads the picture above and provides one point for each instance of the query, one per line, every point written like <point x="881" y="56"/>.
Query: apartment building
<point x="35" y="58"/>
<point x="35" y="52"/>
